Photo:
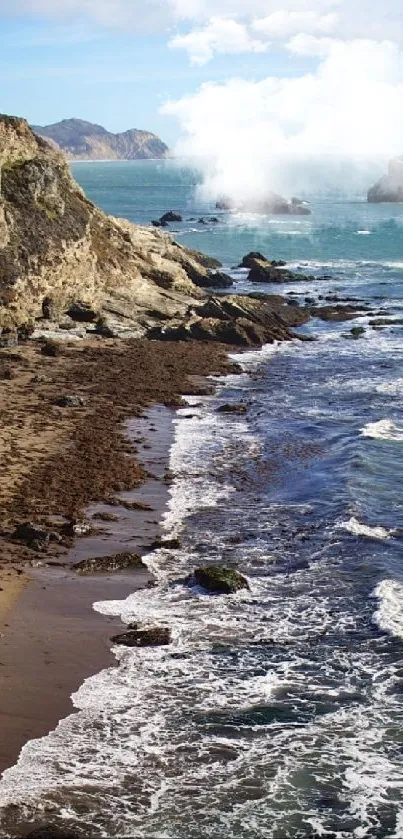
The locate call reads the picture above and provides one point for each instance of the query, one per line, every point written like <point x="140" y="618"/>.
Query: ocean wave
<point x="357" y="528"/>
<point x="389" y="615"/>
<point x="384" y="429"/>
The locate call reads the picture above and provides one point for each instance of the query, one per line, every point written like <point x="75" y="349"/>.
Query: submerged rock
<point x="154" y="637"/>
<point x="106" y="564"/>
<point x="229" y="408"/>
<point x="167" y="544"/>
<point x="219" y="580"/>
<point x="336" y="313"/>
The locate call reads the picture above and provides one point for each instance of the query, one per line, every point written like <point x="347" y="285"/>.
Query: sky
<point x="213" y="77"/>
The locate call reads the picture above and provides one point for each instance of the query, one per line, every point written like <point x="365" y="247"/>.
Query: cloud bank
<point x="351" y="106"/>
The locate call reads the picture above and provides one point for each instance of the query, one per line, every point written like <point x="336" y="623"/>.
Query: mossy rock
<point x="220" y="580"/>
<point x="108" y="564"/>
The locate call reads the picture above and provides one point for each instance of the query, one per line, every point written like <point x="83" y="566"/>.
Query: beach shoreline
<point x="51" y="637"/>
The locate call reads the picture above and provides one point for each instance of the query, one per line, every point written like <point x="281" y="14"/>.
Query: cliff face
<point x="390" y="187"/>
<point x="81" y="140"/>
<point x="58" y="252"/>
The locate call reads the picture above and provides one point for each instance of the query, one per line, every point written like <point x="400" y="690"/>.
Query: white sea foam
<point x="357" y="528"/>
<point x="394" y="387"/>
<point x="157" y="736"/>
<point x="389" y="615"/>
<point x="384" y="429"/>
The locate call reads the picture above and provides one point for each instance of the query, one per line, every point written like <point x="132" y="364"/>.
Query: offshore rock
<point x="271" y="204"/>
<point x="389" y="189"/>
<point x="233" y="408"/>
<point x="217" y="579"/>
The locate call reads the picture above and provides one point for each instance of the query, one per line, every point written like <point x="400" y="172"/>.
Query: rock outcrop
<point x="217" y="579"/>
<point x="389" y="189"/>
<point x="81" y="140"/>
<point x="271" y="205"/>
<point x="64" y="261"/>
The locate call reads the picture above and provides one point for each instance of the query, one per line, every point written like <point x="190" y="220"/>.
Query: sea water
<point x="276" y="712"/>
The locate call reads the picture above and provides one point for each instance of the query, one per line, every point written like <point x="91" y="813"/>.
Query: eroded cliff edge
<point x="58" y="250"/>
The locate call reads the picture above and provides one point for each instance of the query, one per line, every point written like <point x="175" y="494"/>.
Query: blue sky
<point x="52" y="69"/>
<point x="279" y="74"/>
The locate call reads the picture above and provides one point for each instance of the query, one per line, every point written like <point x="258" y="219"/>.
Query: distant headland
<point x="81" y="140"/>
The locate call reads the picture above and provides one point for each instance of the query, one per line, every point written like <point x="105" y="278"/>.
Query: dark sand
<point x="53" y="639"/>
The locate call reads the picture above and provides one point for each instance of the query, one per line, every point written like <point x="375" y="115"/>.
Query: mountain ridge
<point x="82" y="140"/>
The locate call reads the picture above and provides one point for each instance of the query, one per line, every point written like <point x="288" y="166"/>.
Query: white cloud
<point x="283" y="24"/>
<point x="311" y="45"/>
<point x="220" y="36"/>
<point x="355" y="18"/>
<point x="351" y="105"/>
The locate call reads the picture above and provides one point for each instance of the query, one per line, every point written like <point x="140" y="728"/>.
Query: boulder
<point x="8" y="337"/>
<point x="35" y="536"/>
<point x="76" y="528"/>
<point x="215" y="279"/>
<point x="249" y="260"/>
<point x="69" y="401"/>
<point x="218" y="579"/>
<point x="108" y="564"/>
<point x="263" y="271"/>
<point x="50" y="349"/>
<point x="154" y="637"/>
<point x="82" y="312"/>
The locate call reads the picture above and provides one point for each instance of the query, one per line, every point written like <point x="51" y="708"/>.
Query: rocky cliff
<point x="81" y="140"/>
<point x="390" y="187"/>
<point x="61" y="257"/>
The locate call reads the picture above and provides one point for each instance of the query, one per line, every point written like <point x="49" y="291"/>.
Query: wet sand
<point x="53" y="639"/>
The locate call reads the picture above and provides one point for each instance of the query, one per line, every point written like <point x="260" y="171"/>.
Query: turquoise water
<point x="348" y="229"/>
<point x="275" y="713"/>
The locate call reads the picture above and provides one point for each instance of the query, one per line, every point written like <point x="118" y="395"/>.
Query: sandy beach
<point x="106" y="463"/>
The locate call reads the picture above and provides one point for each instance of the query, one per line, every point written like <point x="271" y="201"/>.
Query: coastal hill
<point x="390" y="187"/>
<point x="81" y="140"/>
<point x="60" y="254"/>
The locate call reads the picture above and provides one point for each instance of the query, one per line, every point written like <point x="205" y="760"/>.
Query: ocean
<point x="277" y="712"/>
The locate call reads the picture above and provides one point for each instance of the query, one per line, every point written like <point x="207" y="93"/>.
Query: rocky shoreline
<point x="99" y="486"/>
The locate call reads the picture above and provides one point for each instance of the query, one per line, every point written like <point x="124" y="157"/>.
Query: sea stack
<point x="389" y="189"/>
